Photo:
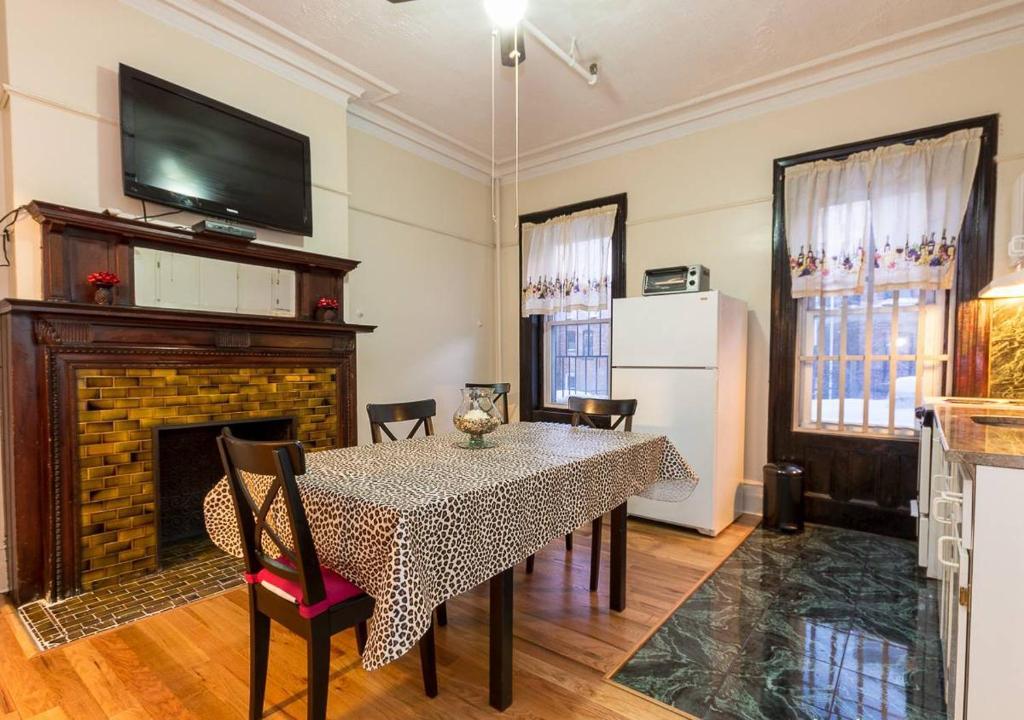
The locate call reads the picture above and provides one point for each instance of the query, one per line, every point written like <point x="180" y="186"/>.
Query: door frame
<point x="859" y="482"/>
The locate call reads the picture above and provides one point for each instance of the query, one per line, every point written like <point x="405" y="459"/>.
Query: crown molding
<point x="984" y="30"/>
<point x="251" y="37"/>
<point x="396" y="129"/>
<point x="234" y="28"/>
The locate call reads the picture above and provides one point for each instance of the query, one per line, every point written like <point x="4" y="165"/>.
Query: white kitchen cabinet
<point x="977" y="509"/>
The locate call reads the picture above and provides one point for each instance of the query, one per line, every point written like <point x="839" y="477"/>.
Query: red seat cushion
<point x="337" y="588"/>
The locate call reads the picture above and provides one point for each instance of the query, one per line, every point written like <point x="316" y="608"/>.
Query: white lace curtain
<point x="569" y="263"/>
<point x="902" y="206"/>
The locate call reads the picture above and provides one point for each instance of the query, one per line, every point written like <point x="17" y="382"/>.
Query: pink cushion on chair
<point x="336" y="588"/>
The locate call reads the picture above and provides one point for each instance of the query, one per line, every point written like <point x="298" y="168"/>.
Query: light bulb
<point x="505" y="13"/>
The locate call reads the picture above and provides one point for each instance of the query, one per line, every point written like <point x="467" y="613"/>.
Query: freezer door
<point x="679" y="404"/>
<point x="666" y="331"/>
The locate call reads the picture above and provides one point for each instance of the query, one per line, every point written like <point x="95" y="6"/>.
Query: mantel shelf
<point x="161" y="236"/>
<point x="90" y="312"/>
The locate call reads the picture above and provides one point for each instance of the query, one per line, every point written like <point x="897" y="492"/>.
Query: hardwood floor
<point x="192" y="662"/>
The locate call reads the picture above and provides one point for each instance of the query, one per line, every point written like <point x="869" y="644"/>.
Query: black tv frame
<point x="201" y="206"/>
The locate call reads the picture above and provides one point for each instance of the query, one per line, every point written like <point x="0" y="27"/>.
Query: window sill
<point x="909" y="436"/>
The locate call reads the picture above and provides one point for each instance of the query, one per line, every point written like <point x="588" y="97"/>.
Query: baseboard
<point x="750" y="497"/>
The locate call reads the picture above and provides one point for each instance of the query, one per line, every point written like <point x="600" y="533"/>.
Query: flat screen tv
<point x="184" y="150"/>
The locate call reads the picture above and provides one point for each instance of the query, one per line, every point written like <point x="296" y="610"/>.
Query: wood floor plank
<point x="192" y="662"/>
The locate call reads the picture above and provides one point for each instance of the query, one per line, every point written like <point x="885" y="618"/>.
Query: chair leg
<point x="568" y="542"/>
<point x="361" y="635"/>
<point x="529" y="565"/>
<point x="595" y="552"/>
<point x="428" y="662"/>
<point x="318" y="668"/>
<point x="259" y="653"/>
<point x="442" y="615"/>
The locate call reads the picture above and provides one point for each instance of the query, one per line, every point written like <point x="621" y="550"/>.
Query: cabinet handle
<point x="938" y="516"/>
<point x="947" y="540"/>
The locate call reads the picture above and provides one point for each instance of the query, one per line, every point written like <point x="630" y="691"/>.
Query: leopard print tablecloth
<point x="417" y="522"/>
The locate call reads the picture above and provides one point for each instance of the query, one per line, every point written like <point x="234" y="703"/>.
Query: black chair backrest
<point x="501" y="391"/>
<point x="586" y="408"/>
<point x="422" y="411"/>
<point x="281" y="461"/>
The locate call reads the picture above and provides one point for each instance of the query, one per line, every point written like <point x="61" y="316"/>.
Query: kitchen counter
<point x="979" y="443"/>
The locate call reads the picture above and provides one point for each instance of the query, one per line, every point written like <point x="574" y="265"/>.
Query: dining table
<point x="417" y="522"/>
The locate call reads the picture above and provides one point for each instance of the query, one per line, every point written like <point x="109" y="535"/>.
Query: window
<point x="866" y="361"/>
<point x="568" y="280"/>
<point x="577" y="355"/>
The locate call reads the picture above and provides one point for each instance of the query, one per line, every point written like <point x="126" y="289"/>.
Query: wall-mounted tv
<point x="184" y="150"/>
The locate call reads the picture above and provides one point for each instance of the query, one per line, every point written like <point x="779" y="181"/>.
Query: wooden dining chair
<point x="423" y="412"/>
<point x="293" y="588"/>
<point x="501" y="391"/>
<point x="585" y="410"/>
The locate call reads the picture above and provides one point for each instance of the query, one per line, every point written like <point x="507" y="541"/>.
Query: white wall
<point x="425" y="239"/>
<point x="706" y="198"/>
<point x="423" y="232"/>
<point x="62" y="61"/>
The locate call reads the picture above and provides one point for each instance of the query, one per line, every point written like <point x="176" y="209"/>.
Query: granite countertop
<point x="977" y="443"/>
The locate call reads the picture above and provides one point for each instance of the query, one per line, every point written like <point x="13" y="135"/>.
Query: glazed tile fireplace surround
<point x="107" y="409"/>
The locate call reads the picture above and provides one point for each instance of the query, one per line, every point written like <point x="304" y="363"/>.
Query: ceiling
<point x="427" y="64"/>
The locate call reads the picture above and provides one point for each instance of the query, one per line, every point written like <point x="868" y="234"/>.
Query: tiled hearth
<point x="118" y="409"/>
<point x="192" y="571"/>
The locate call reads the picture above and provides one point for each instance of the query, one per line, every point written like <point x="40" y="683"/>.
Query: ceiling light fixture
<point x="505" y="14"/>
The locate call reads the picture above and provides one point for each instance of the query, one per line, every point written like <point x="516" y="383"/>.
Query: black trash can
<point x="784" y="497"/>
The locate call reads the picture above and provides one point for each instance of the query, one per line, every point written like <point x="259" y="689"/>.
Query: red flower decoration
<point x="327" y="302"/>
<point x="103" y="279"/>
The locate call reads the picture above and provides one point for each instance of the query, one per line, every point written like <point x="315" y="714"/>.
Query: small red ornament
<point x="103" y="279"/>
<point x="327" y="309"/>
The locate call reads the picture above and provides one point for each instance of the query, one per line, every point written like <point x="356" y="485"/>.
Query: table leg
<point x="617" y="571"/>
<point x="501" y="639"/>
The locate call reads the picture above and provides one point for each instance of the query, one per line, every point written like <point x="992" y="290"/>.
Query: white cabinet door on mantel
<point x="189" y="282"/>
<point x="178" y="281"/>
<point x="218" y="285"/>
<point x="255" y="289"/>
<point x="284" y="293"/>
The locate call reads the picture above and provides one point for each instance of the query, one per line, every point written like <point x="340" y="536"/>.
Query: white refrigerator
<point x="684" y="357"/>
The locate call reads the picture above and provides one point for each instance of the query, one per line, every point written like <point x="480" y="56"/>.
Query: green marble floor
<point x="830" y="625"/>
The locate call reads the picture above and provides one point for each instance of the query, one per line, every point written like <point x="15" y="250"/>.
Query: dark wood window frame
<point x="531" y="329"/>
<point x="867" y="483"/>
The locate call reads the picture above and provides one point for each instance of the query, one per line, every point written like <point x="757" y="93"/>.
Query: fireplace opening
<point x="187" y="465"/>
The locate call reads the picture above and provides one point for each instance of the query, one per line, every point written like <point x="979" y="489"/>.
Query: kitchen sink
<point x="1001" y="420"/>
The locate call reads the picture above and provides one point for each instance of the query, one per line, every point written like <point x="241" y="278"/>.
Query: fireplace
<point x="186" y="465"/>
<point x="93" y="395"/>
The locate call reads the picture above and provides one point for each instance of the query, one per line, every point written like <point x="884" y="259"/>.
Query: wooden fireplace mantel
<point x="50" y="348"/>
<point x="42" y="347"/>
<point x="76" y="242"/>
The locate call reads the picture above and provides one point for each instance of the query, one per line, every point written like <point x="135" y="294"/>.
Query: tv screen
<point x="184" y="150"/>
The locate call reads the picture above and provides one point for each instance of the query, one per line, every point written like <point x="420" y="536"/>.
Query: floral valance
<point x="568" y="263"/>
<point x="902" y="206"/>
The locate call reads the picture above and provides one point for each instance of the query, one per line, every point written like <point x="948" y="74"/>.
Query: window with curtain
<point x="567" y="279"/>
<point x="872" y="242"/>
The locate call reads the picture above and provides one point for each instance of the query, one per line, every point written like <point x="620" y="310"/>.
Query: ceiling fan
<point x="506" y="15"/>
